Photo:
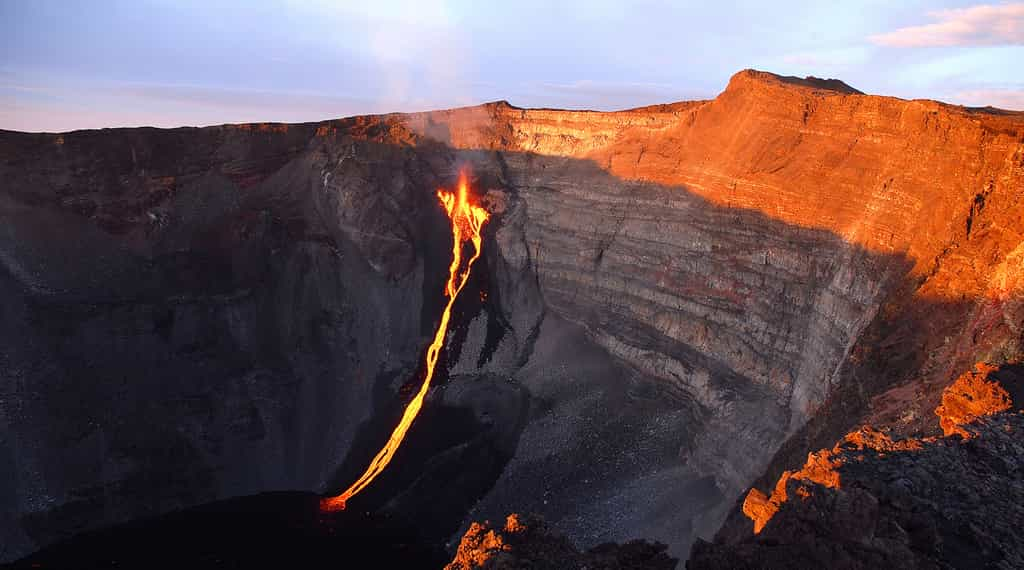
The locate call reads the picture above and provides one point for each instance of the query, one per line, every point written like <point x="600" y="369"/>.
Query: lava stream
<point x="467" y="220"/>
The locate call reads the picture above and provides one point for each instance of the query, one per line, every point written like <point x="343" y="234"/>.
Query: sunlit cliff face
<point x="467" y="220"/>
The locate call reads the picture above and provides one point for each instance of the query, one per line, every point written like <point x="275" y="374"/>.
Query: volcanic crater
<point x="673" y="304"/>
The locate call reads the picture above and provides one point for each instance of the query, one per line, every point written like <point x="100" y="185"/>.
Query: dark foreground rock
<point x="528" y="543"/>
<point x="946" y="502"/>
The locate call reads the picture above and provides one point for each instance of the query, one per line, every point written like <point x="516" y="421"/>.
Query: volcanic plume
<point x="467" y="220"/>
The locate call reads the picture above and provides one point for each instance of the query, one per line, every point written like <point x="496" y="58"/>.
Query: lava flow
<point x="467" y="220"/>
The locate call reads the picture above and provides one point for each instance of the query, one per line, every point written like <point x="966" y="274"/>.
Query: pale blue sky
<point x="75" y="64"/>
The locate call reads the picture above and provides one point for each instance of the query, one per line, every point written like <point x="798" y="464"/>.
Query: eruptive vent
<point x="466" y="220"/>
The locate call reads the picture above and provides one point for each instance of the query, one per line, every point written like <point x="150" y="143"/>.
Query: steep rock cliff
<point x="700" y="264"/>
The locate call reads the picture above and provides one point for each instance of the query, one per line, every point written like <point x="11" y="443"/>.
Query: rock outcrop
<point x="972" y="396"/>
<point x="821" y="468"/>
<point x="527" y="543"/>
<point x="954" y="501"/>
<point x="679" y="298"/>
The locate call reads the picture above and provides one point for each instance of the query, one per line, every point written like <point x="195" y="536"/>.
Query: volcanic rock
<point x="949" y="503"/>
<point x="972" y="396"/>
<point x="527" y="543"/>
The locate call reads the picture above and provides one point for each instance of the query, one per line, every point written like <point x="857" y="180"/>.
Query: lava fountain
<point x="466" y="220"/>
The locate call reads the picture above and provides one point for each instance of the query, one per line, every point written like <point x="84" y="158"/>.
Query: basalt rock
<point x="527" y="543"/>
<point x="972" y="396"/>
<point x="946" y="502"/>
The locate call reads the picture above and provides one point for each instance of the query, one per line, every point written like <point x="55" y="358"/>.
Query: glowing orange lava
<point x="467" y="220"/>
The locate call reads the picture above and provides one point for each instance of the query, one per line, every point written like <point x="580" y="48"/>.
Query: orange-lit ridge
<point x="467" y="220"/>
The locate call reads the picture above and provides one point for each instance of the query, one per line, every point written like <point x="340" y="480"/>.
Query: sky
<point x="72" y="64"/>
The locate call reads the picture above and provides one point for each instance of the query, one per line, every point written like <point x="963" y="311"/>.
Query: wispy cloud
<point x="223" y="98"/>
<point x="1012" y="99"/>
<point x="983" y="25"/>
<point x="106" y="104"/>
<point x="414" y="47"/>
